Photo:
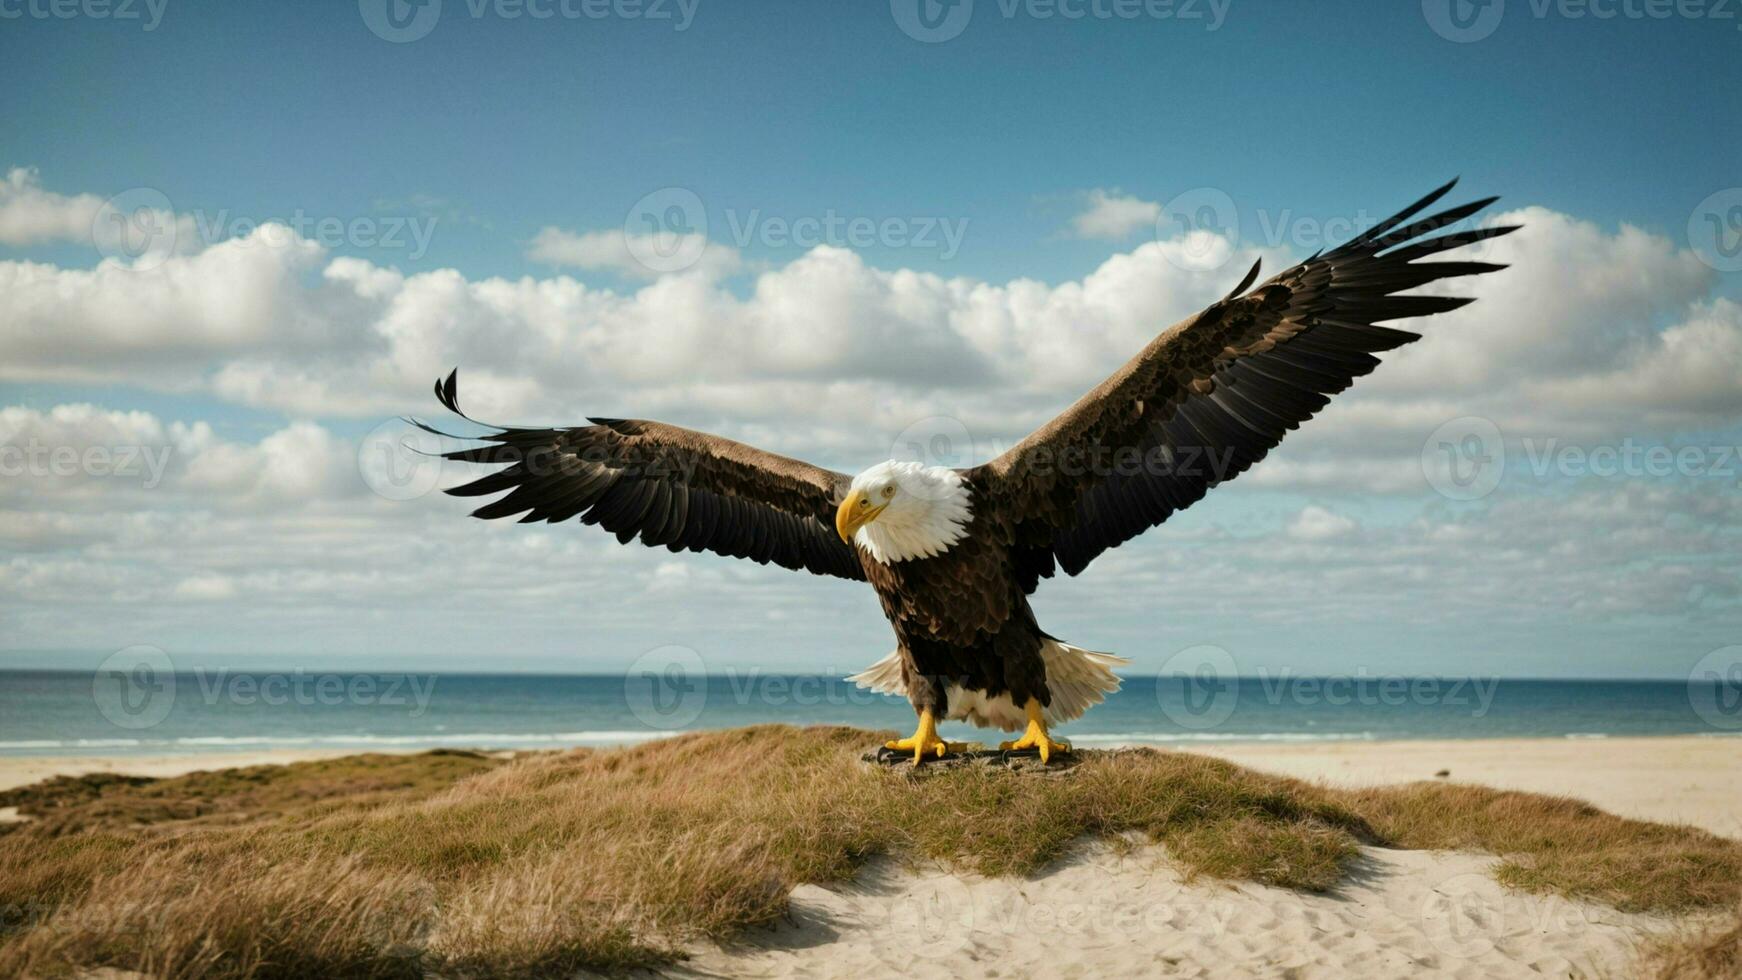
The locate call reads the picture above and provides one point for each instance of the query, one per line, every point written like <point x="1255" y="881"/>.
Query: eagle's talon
<point x="1036" y="736"/>
<point x="925" y="741"/>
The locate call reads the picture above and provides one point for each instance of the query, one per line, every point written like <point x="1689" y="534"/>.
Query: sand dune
<point x="1120" y="911"/>
<point x="1406" y="914"/>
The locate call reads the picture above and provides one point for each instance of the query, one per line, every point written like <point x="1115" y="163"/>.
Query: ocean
<point x="139" y="711"/>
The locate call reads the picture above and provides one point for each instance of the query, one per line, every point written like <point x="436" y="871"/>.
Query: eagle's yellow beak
<point x="854" y="513"/>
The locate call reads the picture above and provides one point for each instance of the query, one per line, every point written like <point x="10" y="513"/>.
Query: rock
<point x="1025" y="760"/>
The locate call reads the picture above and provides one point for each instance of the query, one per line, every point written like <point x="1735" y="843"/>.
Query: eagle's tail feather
<point x="1077" y="679"/>
<point x="884" y="676"/>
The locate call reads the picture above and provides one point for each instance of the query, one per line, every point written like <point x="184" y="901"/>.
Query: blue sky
<point x="519" y="142"/>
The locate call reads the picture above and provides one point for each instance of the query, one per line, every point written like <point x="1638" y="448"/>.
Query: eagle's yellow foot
<point x="925" y="741"/>
<point x="1036" y="737"/>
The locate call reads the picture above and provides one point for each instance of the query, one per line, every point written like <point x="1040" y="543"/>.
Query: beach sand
<point x="24" y="770"/>
<point x="1692" y="780"/>
<point x="1118" y="911"/>
<point x="1101" y="913"/>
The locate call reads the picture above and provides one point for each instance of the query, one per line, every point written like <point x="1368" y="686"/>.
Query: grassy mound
<point x="460" y="864"/>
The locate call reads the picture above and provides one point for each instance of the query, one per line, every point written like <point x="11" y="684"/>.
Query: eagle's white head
<point x="899" y="510"/>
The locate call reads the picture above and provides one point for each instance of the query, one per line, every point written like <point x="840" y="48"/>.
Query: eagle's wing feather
<point x="1212" y="395"/>
<point x="668" y="485"/>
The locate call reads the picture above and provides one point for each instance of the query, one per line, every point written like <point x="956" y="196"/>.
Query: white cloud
<point x="636" y="256"/>
<point x="1315" y="523"/>
<point x="1593" y="335"/>
<point x="29" y="214"/>
<point x="1114" y="216"/>
<point x="1589" y="331"/>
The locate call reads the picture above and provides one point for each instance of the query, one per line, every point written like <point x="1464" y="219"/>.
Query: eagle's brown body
<point x="1201" y="403"/>
<point x="962" y="619"/>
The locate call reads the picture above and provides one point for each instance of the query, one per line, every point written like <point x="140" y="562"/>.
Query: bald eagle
<point x="953" y="554"/>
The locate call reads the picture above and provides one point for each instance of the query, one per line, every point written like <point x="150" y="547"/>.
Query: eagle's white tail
<point x="1076" y="678"/>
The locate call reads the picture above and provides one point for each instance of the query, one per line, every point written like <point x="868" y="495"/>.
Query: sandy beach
<point x="24" y="770"/>
<point x="1676" y="779"/>
<point x="1111" y="910"/>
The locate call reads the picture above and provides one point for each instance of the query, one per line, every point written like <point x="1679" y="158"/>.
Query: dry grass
<point x="556" y="862"/>
<point x="1712" y="953"/>
<point x="112" y="801"/>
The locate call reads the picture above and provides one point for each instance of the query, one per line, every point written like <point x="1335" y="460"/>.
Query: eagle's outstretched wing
<point x="1211" y="395"/>
<point x="668" y="485"/>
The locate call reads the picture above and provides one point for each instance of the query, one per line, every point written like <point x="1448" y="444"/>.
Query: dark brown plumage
<point x="1202" y="403"/>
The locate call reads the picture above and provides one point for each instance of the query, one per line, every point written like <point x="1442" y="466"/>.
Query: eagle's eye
<point x="889" y="491"/>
